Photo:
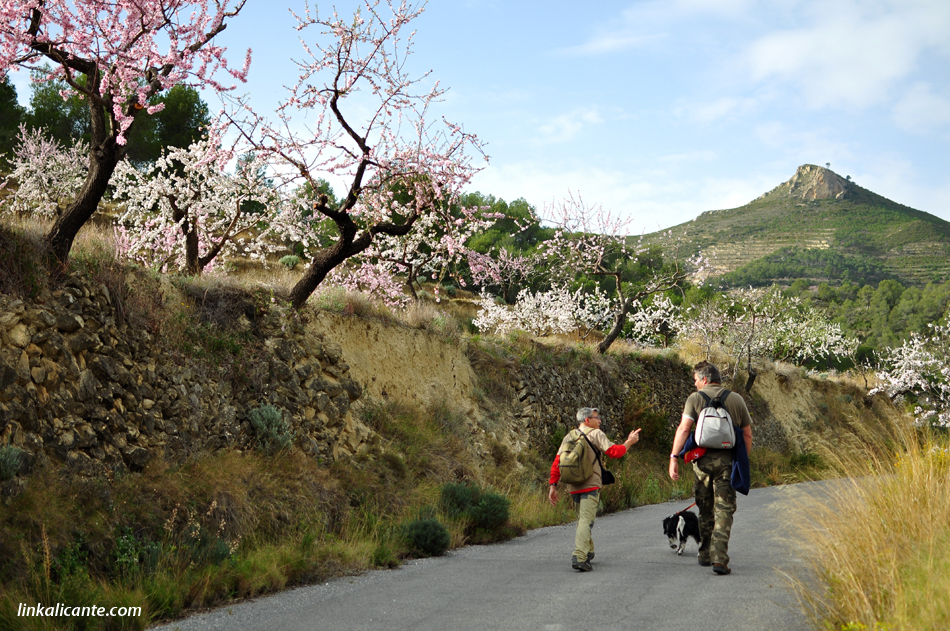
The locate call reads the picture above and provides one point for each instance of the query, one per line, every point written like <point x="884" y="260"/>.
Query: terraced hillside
<point x="817" y="209"/>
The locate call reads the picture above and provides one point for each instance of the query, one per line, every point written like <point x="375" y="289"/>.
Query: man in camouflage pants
<point x="715" y="497"/>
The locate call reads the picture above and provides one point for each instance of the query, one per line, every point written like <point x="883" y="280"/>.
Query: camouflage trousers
<point x="716" y="500"/>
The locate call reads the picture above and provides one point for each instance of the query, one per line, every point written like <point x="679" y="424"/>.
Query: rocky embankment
<point x="79" y="386"/>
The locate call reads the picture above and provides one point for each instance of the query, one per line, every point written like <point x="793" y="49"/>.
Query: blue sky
<point x="660" y="110"/>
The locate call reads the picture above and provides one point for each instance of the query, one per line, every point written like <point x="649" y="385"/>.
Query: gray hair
<point x="709" y="371"/>
<point x="584" y="413"/>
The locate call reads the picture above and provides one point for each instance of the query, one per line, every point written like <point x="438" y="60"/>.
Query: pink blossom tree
<point x="503" y="269"/>
<point x="358" y="114"/>
<point x="115" y="54"/>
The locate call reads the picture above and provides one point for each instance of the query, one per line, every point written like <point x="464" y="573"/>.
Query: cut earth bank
<point x="81" y="385"/>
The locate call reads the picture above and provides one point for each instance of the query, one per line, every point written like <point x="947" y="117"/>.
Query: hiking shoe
<point x="590" y="557"/>
<point x="581" y="566"/>
<point x="721" y="569"/>
<point x="705" y="562"/>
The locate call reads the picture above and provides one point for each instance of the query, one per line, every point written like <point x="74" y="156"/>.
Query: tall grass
<point x="875" y="546"/>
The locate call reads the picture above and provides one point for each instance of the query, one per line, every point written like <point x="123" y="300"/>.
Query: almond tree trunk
<point x="323" y="262"/>
<point x="102" y="162"/>
<point x="104" y="155"/>
<point x="346" y="246"/>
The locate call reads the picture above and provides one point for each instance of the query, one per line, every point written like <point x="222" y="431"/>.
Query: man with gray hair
<point x="587" y="494"/>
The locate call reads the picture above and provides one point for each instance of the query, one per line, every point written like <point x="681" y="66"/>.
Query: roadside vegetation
<point x="875" y="544"/>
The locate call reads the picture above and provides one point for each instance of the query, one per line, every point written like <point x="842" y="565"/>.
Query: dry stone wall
<point x="550" y="395"/>
<point x="78" y="386"/>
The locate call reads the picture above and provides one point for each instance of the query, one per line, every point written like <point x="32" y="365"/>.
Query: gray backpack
<point x="714" y="428"/>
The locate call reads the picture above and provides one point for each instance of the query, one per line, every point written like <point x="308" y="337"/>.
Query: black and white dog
<point x="679" y="527"/>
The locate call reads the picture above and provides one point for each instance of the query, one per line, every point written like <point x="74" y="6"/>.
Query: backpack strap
<point x="596" y="451"/>
<point x="721" y="399"/>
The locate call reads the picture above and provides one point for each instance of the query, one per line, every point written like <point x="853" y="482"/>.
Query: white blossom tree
<point x="705" y="324"/>
<point x="186" y="210"/>
<point x="919" y="370"/>
<point x="757" y="324"/>
<point x="655" y="322"/>
<point x="46" y="174"/>
<point x="432" y="249"/>
<point x="589" y="240"/>
<point x="556" y="311"/>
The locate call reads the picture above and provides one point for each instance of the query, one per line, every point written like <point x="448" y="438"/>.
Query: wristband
<point x="673" y="456"/>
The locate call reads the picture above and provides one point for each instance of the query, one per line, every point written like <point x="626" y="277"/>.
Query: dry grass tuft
<point x="875" y="544"/>
<point x="24" y="258"/>
<point x="431" y="317"/>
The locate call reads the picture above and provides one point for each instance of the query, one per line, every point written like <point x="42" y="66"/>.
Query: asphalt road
<point x="528" y="583"/>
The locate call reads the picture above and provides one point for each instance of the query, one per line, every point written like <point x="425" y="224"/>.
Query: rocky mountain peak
<point x="812" y="182"/>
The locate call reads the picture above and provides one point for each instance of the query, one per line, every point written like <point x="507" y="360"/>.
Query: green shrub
<point x="290" y="261"/>
<point x="273" y="432"/>
<point x="10" y="459"/>
<point x="491" y="511"/>
<point x="126" y="553"/>
<point x="428" y="537"/>
<point x="458" y="499"/>
<point x="396" y="463"/>
<point x="482" y="510"/>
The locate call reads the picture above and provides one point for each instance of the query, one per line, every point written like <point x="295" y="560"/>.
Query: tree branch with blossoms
<point x="400" y="166"/>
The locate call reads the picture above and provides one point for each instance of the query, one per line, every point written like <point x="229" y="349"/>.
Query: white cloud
<point x="717" y="109"/>
<point x="647" y="23"/>
<point x="702" y="155"/>
<point x="610" y="43"/>
<point x="566" y="127"/>
<point x="851" y="53"/>
<point x="921" y="111"/>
